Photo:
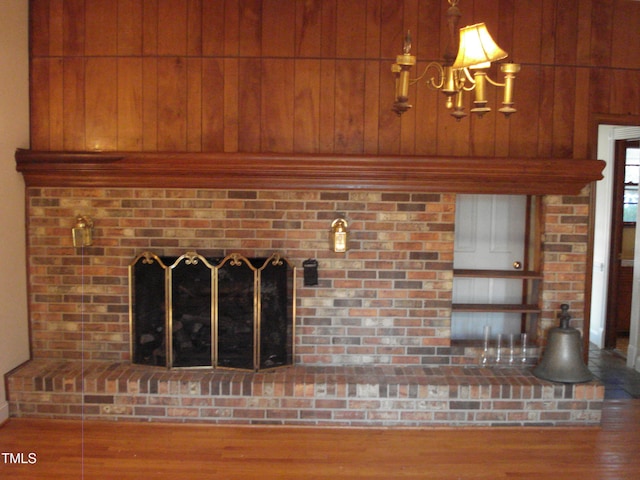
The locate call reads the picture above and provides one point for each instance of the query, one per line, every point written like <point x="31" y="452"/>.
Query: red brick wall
<point x="386" y="301"/>
<point x="564" y="261"/>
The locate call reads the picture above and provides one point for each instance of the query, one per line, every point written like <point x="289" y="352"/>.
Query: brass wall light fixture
<point x="339" y="235"/>
<point x="82" y="232"/>
<point x="475" y="53"/>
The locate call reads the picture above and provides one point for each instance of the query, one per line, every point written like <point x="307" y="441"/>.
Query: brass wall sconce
<point x="475" y="53"/>
<point x="82" y="232"/>
<point x="339" y="235"/>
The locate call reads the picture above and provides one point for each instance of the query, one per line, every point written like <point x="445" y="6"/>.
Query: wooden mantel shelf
<point x="533" y="176"/>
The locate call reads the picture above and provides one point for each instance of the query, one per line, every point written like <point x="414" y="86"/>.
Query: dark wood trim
<point x="615" y="243"/>
<point x="534" y="176"/>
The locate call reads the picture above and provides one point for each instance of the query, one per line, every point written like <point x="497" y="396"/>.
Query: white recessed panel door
<point x="489" y="235"/>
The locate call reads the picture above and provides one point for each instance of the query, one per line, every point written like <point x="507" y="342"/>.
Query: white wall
<point x="14" y="133"/>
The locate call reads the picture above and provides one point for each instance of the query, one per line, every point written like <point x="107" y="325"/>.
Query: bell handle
<point x="565" y="318"/>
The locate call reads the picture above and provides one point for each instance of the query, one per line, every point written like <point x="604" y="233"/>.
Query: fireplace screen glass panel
<point x="148" y="335"/>
<point x="276" y="303"/>
<point x="236" y="314"/>
<point x="191" y="287"/>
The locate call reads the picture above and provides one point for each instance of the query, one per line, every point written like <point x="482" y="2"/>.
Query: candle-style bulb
<point x="407" y="43"/>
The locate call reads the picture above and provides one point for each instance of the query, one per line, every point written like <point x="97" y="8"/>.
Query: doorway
<point x="626" y="171"/>
<point x="602" y="253"/>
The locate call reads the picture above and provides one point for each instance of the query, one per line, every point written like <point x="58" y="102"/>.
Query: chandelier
<point x="462" y="71"/>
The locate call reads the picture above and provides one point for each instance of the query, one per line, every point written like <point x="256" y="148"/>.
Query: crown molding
<point x="272" y="171"/>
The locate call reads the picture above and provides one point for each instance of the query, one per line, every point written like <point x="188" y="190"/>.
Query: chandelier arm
<point x="420" y="77"/>
<point x="495" y="84"/>
<point x="431" y="82"/>
<point x="468" y="75"/>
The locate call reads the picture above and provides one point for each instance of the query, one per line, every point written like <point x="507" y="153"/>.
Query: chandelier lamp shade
<point x="477" y="49"/>
<point x="463" y="70"/>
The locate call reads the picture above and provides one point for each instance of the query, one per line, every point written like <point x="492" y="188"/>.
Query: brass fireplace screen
<point x="192" y="311"/>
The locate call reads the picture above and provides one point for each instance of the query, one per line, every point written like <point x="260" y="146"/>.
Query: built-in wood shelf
<point x="495" y="308"/>
<point x="533" y="176"/>
<point x="524" y="308"/>
<point x="508" y="274"/>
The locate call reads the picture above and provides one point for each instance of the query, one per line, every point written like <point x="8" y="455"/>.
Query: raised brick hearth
<point x="336" y="396"/>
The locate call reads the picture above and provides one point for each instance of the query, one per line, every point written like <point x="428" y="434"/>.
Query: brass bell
<point x="562" y="359"/>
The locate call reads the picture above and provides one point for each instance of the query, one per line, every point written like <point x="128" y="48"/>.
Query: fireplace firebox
<point x="198" y="312"/>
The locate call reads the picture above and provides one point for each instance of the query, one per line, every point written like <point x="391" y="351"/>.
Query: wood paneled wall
<point x="314" y="75"/>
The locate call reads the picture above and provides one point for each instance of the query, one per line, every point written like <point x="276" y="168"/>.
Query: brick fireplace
<point x="386" y="301"/>
<point x="372" y="339"/>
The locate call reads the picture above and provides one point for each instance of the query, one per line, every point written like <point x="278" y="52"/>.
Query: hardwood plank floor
<point x="101" y="450"/>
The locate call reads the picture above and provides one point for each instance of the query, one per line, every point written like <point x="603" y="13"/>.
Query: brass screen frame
<point x="234" y="259"/>
<point x="190" y="258"/>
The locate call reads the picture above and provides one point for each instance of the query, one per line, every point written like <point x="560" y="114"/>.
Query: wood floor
<point x="95" y="450"/>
